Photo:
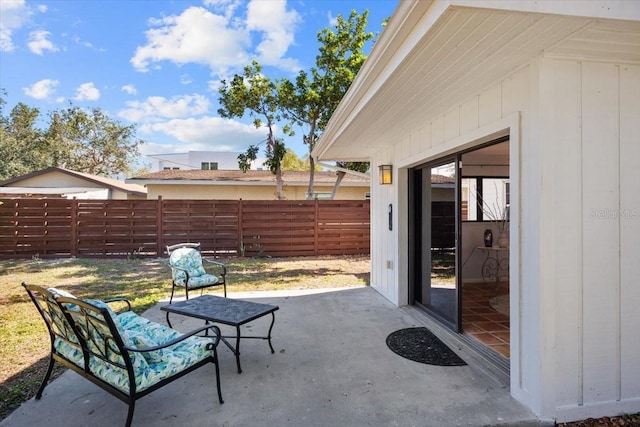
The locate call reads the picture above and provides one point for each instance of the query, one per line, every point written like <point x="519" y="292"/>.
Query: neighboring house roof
<point x="237" y="177"/>
<point x="433" y="56"/>
<point x="442" y="179"/>
<point x="12" y="185"/>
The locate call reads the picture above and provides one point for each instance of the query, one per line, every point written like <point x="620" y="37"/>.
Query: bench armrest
<point x="214" y="328"/>
<point x="119" y="299"/>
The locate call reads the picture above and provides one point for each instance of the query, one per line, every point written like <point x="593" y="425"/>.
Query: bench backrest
<point x="86" y="333"/>
<point x="64" y="340"/>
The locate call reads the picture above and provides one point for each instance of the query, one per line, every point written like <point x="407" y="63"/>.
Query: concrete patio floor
<point x="331" y="368"/>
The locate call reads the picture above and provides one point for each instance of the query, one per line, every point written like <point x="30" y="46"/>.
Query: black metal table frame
<point x="209" y="319"/>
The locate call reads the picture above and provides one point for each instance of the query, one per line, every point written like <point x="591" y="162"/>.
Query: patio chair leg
<point x="215" y="355"/>
<point x="46" y="378"/>
<point x="132" y="406"/>
<point x="173" y="287"/>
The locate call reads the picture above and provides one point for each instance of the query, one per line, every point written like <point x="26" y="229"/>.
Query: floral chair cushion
<point x="189" y="260"/>
<point x="162" y="363"/>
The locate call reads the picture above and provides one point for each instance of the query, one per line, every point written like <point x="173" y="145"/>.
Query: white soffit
<point x="451" y="55"/>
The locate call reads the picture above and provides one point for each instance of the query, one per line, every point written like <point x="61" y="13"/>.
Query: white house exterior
<point x="250" y="185"/>
<point x="208" y="160"/>
<point x="559" y="82"/>
<point x="65" y="183"/>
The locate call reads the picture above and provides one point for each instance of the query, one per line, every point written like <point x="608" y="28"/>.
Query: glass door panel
<point x="435" y="206"/>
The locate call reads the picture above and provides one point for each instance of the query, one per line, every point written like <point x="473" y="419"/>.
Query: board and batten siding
<point x="575" y="249"/>
<point x="592" y="243"/>
<point x="502" y="105"/>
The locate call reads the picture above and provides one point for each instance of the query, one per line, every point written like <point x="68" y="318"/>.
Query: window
<point x="485" y="199"/>
<point x="167" y="168"/>
<point x="321" y="196"/>
<point x="209" y="166"/>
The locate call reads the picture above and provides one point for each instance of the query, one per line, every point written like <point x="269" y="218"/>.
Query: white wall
<point x="495" y="111"/>
<point x="591" y="236"/>
<point x="575" y="229"/>
<point x="194" y="159"/>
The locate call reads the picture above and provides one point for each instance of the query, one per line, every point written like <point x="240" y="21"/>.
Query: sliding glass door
<point x="434" y="239"/>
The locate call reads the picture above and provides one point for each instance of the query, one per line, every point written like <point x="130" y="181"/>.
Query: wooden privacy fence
<point x="104" y="228"/>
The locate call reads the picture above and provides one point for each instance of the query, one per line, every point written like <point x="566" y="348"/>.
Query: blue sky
<point x="159" y="63"/>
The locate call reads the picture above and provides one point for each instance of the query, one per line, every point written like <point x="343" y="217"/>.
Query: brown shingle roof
<point x="249" y="176"/>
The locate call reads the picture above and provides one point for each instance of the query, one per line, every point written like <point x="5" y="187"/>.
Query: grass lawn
<point x="25" y="342"/>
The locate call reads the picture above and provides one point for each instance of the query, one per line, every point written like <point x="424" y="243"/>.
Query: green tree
<point x="91" y="142"/>
<point x="291" y="162"/>
<point x="83" y="141"/>
<point x="256" y="94"/>
<point x="22" y="145"/>
<point x="312" y="99"/>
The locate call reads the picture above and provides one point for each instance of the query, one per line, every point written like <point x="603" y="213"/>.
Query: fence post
<point x="159" y="228"/>
<point x="73" y="250"/>
<point x="240" y="228"/>
<point x="315" y="227"/>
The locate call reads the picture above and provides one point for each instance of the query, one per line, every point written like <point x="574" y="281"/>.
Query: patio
<point x="331" y="368"/>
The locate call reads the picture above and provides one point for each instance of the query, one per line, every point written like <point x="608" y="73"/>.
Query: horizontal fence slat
<point x="33" y="227"/>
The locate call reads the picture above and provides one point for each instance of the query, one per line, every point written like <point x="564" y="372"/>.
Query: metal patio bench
<point x="125" y="354"/>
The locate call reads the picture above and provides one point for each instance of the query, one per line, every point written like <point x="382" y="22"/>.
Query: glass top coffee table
<point x="227" y="311"/>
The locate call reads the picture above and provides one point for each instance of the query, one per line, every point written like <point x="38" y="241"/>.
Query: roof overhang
<point x="220" y="183"/>
<point x="434" y="55"/>
<point x="49" y="190"/>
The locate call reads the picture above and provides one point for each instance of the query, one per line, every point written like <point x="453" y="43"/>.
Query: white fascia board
<point x="48" y="190"/>
<point x="393" y="46"/>
<point x="628" y="10"/>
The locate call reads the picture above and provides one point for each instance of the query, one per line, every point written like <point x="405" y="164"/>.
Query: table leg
<point x="273" y="320"/>
<point x="237" y="351"/>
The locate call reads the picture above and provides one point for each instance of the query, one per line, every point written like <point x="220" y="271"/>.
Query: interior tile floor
<point x="482" y="322"/>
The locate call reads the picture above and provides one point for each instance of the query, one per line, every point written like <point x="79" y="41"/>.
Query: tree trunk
<point x="279" y="193"/>
<point x="312" y="171"/>
<point x="337" y="184"/>
<point x="312" y="163"/>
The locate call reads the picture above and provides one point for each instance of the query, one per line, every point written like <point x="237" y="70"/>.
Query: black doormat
<point x="420" y="345"/>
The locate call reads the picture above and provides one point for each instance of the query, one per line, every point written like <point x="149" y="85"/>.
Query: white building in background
<point x="199" y="160"/>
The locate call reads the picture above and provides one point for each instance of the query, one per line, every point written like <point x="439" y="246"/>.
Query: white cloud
<point x="157" y="108"/>
<point x="221" y="39"/>
<point x="333" y="20"/>
<point x="209" y="133"/>
<point x="13" y="15"/>
<point x="226" y="7"/>
<point x="278" y="26"/>
<point x="41" y="89"/>
<point x="87" y="92"/>
<point x="196" y="36"/>
<point x="38" y="42"/>
<point x="130" y="89"/>
<point x="185" y="79"/>
<point x="81" y="42"/>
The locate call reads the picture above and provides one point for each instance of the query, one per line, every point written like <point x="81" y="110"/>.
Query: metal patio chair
<point x="187" y="269"/>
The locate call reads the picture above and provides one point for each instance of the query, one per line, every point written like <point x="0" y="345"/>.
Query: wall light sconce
<point x="385" y="174"/>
